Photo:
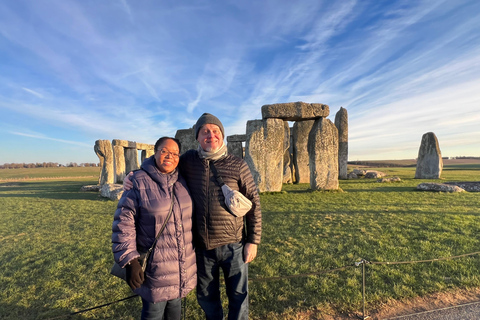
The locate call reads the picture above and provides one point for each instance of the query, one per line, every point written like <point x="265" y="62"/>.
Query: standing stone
<point x="341" y="122"/>
<point x="187" y="139"/>
<point x="234" y="144"/>
<point x="104" y="151"/>
<point x="131" y="159"/>
<point x="287" y="158"/>
<point x="429" y="162"/>
<point x="323" y="151"/>
<point x="147" y="153"/>
<point x="264" y="153"/>
<point x="300" y="132"/>
<point x="119" y="159"/>
<point x="295" y="111"/>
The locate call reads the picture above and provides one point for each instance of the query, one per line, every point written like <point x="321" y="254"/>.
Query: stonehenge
<point x="314" y="150"/>
<point x="119" y="157"/>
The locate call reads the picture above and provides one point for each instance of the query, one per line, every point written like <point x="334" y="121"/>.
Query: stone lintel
<point x="237" y="138"/>
<point x="295" y="111"/>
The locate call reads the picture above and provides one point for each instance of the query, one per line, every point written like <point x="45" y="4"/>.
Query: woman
<point x="171" y="271"/>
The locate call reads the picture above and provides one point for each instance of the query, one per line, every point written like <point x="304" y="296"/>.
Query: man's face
<point x="210" y="137"/>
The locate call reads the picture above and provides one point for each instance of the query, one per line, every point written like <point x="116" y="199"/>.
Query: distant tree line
<point x="45" y="165"/>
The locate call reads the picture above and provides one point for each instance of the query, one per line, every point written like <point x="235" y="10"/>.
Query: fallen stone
<point x="470" y="186"/>
<point x="352" y="175"/>
<point x="439" y="187"/>
<point x="90" y="188"/>
<point x="112" y="191"/>
<point x="392" y="179"/>
<point x="372" y="174"/>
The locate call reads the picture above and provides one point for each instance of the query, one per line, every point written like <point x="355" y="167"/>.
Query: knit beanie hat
<point x="208" y="118"/>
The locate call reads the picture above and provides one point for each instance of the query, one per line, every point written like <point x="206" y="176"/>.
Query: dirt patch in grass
<point x="405" y="307"/>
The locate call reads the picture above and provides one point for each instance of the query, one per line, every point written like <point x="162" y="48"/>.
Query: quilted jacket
<point x="171" y="269"/>
<point x="214" y="225"/>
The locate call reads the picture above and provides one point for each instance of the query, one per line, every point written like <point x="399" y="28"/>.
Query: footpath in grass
<point x="55" y="249"/>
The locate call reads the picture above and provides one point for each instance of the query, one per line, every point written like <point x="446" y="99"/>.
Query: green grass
<point x="36" y="173"/>
<point x="55" y="249"/>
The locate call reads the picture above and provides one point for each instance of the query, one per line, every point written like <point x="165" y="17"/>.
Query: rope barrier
<point x="362" y="263"/>
<point x="93" y="308"/>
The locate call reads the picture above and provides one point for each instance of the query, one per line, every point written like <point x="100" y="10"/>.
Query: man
<point x="222" y="240"/>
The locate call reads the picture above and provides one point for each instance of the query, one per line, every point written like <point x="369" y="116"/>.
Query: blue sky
<point x="72" y="72"/>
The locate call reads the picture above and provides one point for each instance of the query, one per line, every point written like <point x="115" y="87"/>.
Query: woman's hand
<point x="135" y="274"/>
<point x="127" y="183"/>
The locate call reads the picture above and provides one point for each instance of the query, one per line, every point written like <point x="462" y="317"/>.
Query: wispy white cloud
<point x="42" y="137"/>
<point x="138" y="70"/>
<point x="38" y="95"/>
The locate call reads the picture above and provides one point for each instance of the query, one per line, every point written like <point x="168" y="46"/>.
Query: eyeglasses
<point x="164" y="152"/>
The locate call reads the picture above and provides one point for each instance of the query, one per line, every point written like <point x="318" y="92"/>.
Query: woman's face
<point x="167" y="156"/>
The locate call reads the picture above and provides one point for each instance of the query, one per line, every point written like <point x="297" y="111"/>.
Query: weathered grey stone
<point x="352" y="175"/>
<point x="122" y="143"/>
<point x="235" y="144"/>
<point x="341" y="122"/>
<point x="323" y="153"/>
<point x="145" y="154"/>
<point x="104" y="151"/>
<point x="90" y="188"/>
<point x="372" y="174"/>
<point x="469" y="186"/>
<point x="112" y="191"/>
<point x="429" y="162"/>
<point x="287" y="162"/>
<point x="187" y="139"/>
<point x="300" y="132"/>
<point x="392" y="179"/>
<point x="359" y="172"/>
<point x="119" y="156"/>
<point x="235" y="148"/>
<point x="237" y="138"/>
<point x="295" y="111"/>
<point x="440" y="187"/>
<point x="264" y="153"/>
<point x="131" y="159"/>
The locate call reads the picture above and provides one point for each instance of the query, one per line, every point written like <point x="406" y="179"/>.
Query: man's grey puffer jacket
<point x="171" y="270"/>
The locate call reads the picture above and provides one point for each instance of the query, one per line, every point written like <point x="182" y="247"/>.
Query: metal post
<point x="363" y="288"/>
<point x="363" y="262"/>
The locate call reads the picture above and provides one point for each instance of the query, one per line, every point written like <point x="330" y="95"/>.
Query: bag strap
<point x="215" y="173"/>
<point x="164" y="222"/>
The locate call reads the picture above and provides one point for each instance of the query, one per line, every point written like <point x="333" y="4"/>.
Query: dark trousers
<point x="229" y="258"/>
<point x="164" y="310"/>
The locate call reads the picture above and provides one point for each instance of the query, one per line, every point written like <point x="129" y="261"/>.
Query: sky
<point x="73" y="72"/>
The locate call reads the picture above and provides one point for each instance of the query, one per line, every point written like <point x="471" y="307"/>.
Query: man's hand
<point x="135" y="276"/>
<point x="127" y="183"/>
<point x="249" y="252"/>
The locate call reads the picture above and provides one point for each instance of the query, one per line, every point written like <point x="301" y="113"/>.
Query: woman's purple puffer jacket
<point x="171" y="269"/>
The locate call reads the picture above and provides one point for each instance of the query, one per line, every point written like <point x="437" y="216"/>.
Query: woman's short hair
<point x="162" y="140"/>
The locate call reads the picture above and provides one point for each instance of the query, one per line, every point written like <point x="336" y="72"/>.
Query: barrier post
<point x="363" y="262"/>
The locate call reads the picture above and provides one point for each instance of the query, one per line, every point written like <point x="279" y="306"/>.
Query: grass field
<point x="55" y="251"/>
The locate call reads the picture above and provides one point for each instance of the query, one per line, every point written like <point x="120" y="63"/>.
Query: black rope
<point x="288" y="277"/>
<point x="301" y="275"/>
<point x="430" y="260"/>
<point x="93" y="308"/>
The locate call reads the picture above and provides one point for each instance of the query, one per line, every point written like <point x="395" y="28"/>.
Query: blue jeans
<point x="164" y="310"/>
<point x="230" y="259"/>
